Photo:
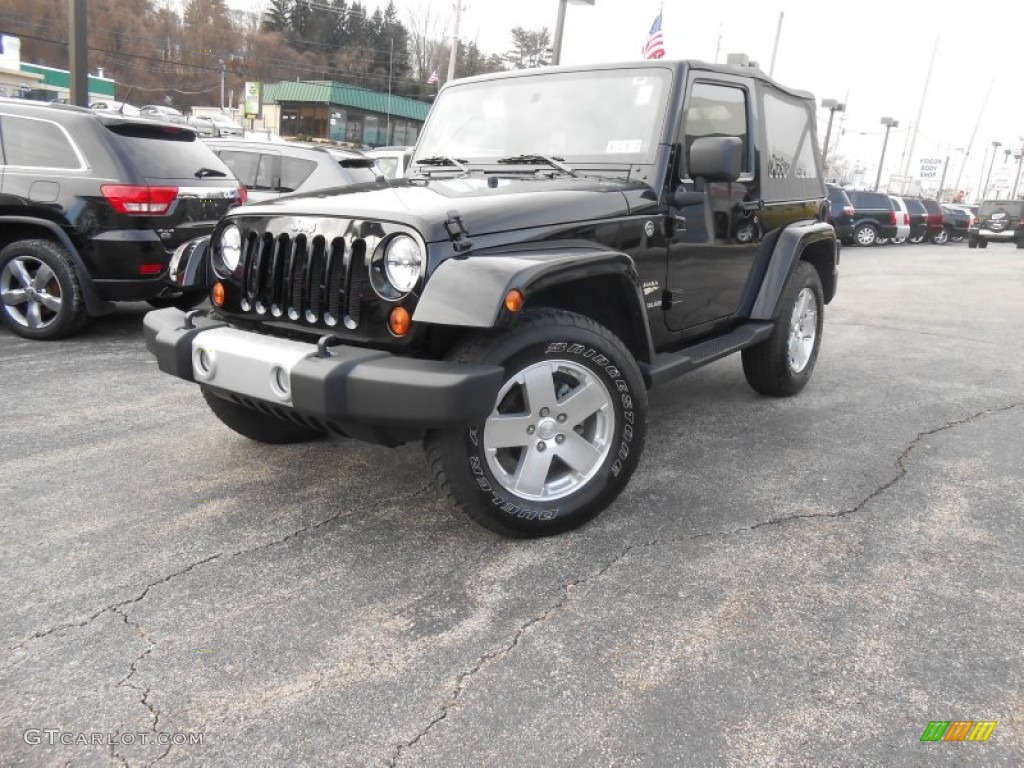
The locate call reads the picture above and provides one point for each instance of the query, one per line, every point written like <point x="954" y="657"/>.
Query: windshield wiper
<point x="202" y="173"/>
<point x="444" y="160"/>
<point x="554" y="162"/>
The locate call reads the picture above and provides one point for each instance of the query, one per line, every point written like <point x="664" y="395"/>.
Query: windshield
<point x="613" y="116"/>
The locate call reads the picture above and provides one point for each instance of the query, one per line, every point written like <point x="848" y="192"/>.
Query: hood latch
<point x="457" y="232"/>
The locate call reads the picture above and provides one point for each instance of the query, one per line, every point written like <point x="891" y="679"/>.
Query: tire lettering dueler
<point x="564" y="240"/>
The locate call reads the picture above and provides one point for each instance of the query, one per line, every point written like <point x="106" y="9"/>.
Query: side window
<point x="716" y="110"/>
<point x="243" y="164"/>
<point x="294" y="172"/>
<point x="788" y="132"/>
<point x="37" y="144"/>
<point x="269" y="176"/>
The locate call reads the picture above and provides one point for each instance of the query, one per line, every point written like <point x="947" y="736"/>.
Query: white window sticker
<point x="644" y="94"/>
<point x="624" y="147"/>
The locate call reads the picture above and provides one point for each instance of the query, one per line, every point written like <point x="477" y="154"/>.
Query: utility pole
<point x="775" y="48"/>
<point x="974" y="133"/>
<point x="832" y="106"/>
<point x="718" y="46"/>
<point x="223" y="70"/>
<point x="78" y="53"/>
<point x="1019" y="157"/>
<point x="391" y="64"/>
<point x="995" y="149"/>
<point x="945" y="167"/>
<point x="917" y="122"/>
<point x="556" y="48"/>
<point x="455" y="40"/>
<point x="889" y="124"/>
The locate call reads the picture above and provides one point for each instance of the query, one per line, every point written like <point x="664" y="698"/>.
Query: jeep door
<point x="714" y="242"/>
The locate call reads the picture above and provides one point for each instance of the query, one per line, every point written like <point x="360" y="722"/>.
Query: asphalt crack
<point x="497" y="654"/>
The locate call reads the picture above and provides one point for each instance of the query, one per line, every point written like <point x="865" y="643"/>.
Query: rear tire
<point x="941" y="237"/>
<point x="781" y="365"/>
<point x="916" y="240"/>
<point x="972" y="242"/>
<point x="565" y="434"/>
<point x="982" y="243"/>
<point x="258" y="426"/>
<point x="865" y="235"/>
<point x="40" y="297"/>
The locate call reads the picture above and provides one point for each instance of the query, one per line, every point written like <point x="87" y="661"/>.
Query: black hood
<point x="486" y="204"/>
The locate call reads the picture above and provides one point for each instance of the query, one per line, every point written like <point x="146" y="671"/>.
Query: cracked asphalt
<point x="806" y="581"/>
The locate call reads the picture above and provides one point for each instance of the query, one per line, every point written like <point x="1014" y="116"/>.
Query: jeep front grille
<point x="304" y="279"/>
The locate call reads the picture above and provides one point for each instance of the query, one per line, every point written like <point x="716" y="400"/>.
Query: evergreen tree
<point x="276" y="18"/>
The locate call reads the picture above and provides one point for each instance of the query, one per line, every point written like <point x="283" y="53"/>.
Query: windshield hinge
<point x="457" y="232"/>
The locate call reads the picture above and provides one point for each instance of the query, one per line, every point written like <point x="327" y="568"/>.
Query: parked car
<point x="513" y="300"/>
<point x="161" y="112"/>
<point x="120" y="107"/>
<point x="393" y="162"/>
<point x="999" y="221"/>
<point x="918" y="220"/>
<point x="937" y="231"/>
<point x="226" y="127"/>
<point x="902" y="219"/>
<point x="269" y="170"/>
<point x="874" y="216"/>
<point x="204" y="126"/>
<point x="93" y="207"/>
<point x="841" y="213"/>
<point x="957" y="221"/>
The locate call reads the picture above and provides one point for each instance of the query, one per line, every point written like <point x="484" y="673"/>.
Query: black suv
<point x="874" y="216"/>
<point x="568" y="237"/>
<point x="999" y="221"/>
<point x="272" y="169"/>
<point x="841" y="213"/>
<point x="92" y="206"/>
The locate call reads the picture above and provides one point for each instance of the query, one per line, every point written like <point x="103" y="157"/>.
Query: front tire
<point x="565" y="434"/>
<point x="982" y="242"/>
<point x="781" y="365"/>
<point x="258" y="426"/>
<point x="40" y="297"/>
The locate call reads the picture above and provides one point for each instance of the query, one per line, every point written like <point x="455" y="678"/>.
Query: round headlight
<point x="402" y="262"/>
<point x="230" y="247"/>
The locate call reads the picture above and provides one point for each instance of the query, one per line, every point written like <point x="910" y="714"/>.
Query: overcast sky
<point x="873" y="55"/>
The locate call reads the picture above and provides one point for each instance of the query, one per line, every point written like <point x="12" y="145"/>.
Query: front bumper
<point x="353" y="387"/>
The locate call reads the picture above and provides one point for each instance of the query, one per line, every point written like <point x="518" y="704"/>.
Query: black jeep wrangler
<point x="567" y="238"/>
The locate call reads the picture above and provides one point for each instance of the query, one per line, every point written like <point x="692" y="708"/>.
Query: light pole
<point x="832" y="106"/>
<point x="889" y="124"/>
<point x="556" y="49"/>
<point x="995" y="148"/>
<point x="1018" y="157"/>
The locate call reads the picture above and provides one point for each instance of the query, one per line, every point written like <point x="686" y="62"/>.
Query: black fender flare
<point x="93" y="303"/>
<point x="470" y="292"/>
<point x="792" y="243"/>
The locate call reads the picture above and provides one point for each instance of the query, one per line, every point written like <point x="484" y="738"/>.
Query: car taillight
<point x="906" y="218"/>
<point x="892" y="217"/>
<point x="243" y="195"/>
<point x="137" y="200"/>
<point x="847" y="210"/>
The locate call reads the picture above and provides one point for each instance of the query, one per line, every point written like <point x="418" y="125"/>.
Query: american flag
<point x="654" y="48"/>
<point x="432" y="80"/>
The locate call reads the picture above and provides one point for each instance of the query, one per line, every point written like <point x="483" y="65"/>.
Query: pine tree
<point x="276" y="17"/>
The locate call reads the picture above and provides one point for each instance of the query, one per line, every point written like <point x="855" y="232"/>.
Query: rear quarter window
<point x="870" y="200"/>
<point x="294" y="172"/>
<point x="35" y="143"/>
<point x="165" y="152"/>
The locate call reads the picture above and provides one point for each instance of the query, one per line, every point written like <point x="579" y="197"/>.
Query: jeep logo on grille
<point x="303" y="226"/>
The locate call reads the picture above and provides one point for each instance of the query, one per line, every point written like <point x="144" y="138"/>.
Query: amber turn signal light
<point x="217" y="294"/>
<point x="513" y="300"/>
<point x="399" y="321"/>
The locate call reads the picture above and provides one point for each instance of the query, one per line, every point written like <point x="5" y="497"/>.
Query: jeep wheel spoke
<point x="51" y="302"/>
<point x="540" y="387"/>
<point x="34" y="316"/>
<point x="14" y="297"/>
<point x="43" y="277"/>
<point x="509" y="431"/>
<point x="20" y="270"/>
<point x="533" y="472"/>
<point x="582" y="403"/>
<point x="579" y="454"/>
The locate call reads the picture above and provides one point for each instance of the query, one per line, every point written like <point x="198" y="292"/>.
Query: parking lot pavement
<point x="805" y="581"/>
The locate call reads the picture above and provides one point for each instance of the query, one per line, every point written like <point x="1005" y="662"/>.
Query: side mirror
<point x="716" y="158"/>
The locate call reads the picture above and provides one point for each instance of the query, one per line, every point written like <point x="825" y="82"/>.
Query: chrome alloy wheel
<point x="803" y="329"/>
<point x="865" y="236"/>
<point x="550" y="431"/>
<point x="31" y="292"/>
